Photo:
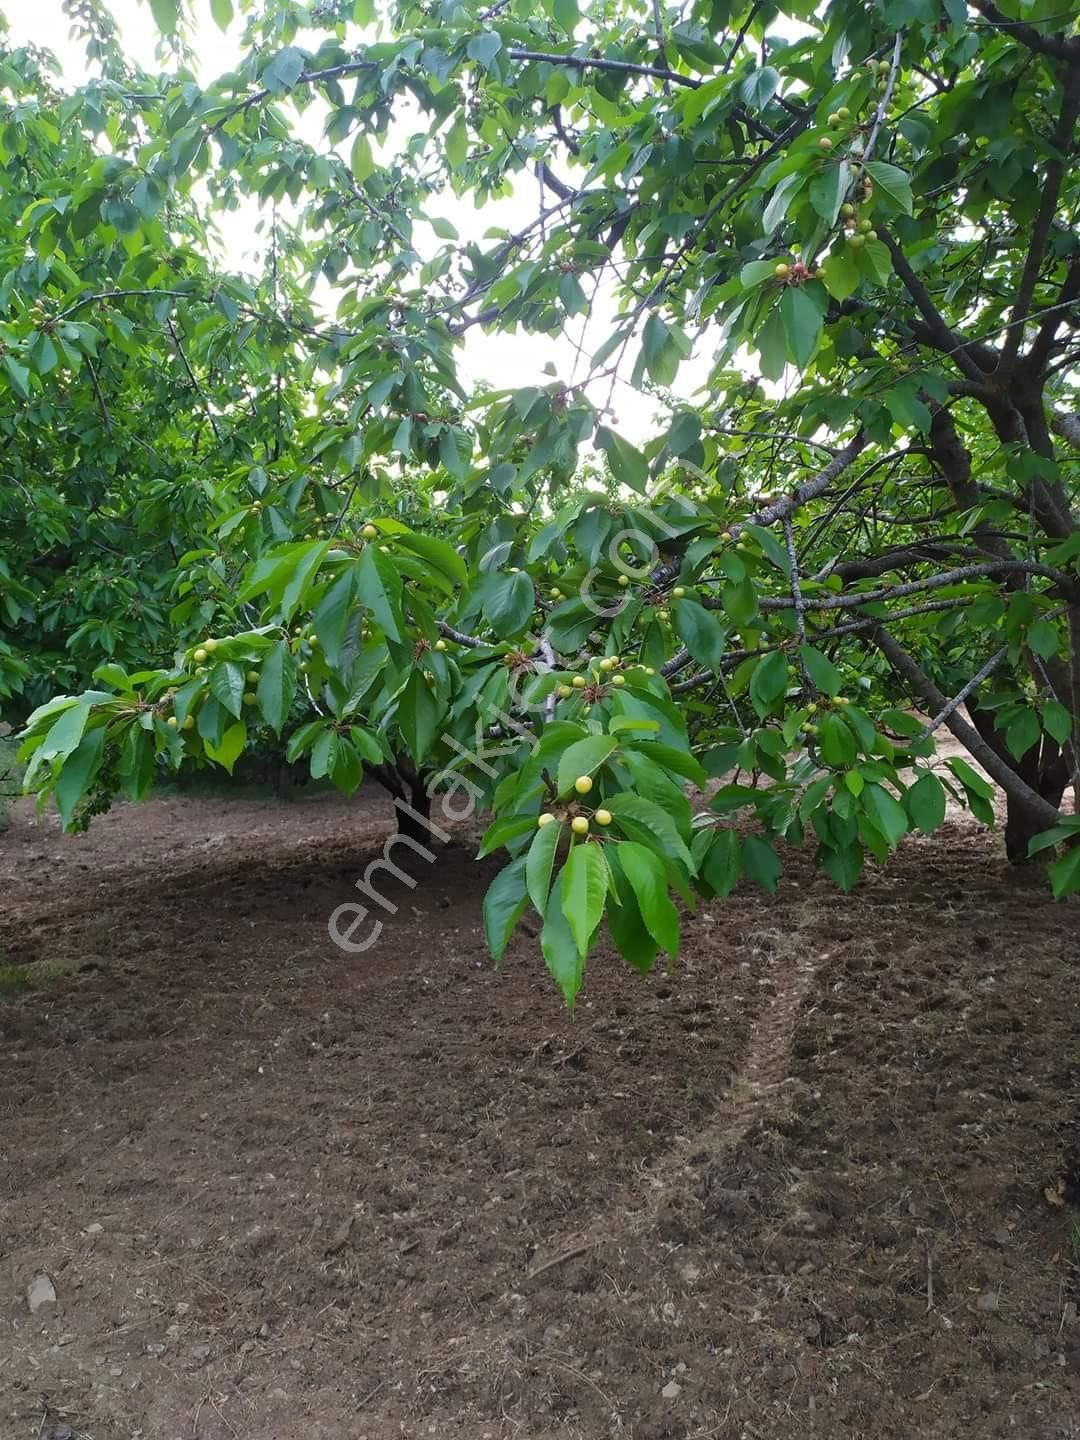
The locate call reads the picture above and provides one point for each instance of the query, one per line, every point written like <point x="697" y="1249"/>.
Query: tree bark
<point x="1043" y="770"/>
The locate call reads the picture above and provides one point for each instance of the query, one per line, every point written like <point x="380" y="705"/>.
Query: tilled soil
<point x="793" y="1187"/>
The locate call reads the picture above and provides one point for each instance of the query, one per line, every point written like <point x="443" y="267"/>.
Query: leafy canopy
<point x="262" y="509"/>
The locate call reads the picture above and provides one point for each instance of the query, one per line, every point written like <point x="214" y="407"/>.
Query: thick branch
<point x="1067" y="426"/>
<point x="1043" y="343"/>
<point x="937" y="332"/>
<point x="1060" y="46"/>
<point x="1040" y="810"/>
<point x="779" y="509"/>
<point x="1056" y="167"/>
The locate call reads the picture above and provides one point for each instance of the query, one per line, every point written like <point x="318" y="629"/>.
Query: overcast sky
<point x="503" y="360"/>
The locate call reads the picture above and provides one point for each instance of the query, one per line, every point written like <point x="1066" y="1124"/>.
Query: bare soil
<point x="795" y="1187"/>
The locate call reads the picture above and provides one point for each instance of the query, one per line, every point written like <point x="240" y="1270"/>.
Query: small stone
<point x="988" y="1301"/>
<point x="155" y="1348"/>
<point x="115" y="1371"/>
<point x="672" y="1390"/>
<point x="691" y="1274"/>
<point x="1003" y="1236"/>
<point x="200" y="1353"/>
<point x="95" y="1229"/>
<point x="41" y="1291"/>
<point x="61" y="1432"/>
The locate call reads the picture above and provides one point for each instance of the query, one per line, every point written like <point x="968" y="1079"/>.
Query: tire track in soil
<point x="791" y="970"/>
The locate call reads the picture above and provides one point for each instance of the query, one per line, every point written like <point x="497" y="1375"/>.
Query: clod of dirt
<point x="672" y="1390"/>
<point x="41" y="1291"/>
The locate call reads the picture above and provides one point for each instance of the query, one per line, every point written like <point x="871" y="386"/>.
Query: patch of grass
<point x="13" y="981"/>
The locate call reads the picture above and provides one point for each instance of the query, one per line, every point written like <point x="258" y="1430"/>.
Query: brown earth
<point x="793" y="1188"/>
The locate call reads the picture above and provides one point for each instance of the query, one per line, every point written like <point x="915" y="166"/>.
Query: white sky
<point x="504" y="360"/>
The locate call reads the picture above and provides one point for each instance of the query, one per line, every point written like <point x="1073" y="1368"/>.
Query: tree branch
<point x="1043" y="343"/>
<point x="938" y="333"/>
<point x="1059" y="46"/>
<point x="1056" y="167"/>
<point x="936" y="702"/>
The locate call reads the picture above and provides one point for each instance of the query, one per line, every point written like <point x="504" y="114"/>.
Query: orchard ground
<point x="794" y="1187"/>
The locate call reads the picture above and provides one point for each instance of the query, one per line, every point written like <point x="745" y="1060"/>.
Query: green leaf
<point x="874" y="262"/>
<point x="771" y="342"/>
<point x="970" y="779"/>
<point x="628" y="465"/>
<point x="722" y="866"/>
<point x="378" y="585"/>
<point x="361" y="160"/>
<point x="166" y="15"/>
<point x="324" y="754"/>
<point x="756" y="272"/>
<point x="80" y="770"/>
<point x="504" y="830"/>
<point x="843" y="866"/>
<point x="886" y="813"/>
<point x="302" y="570"/>
<point x="420" y="715"/>
<point x="642" y="819"/>
<point x="348" y="771"/>
<point x="538" y="863"/>
<point x="1023" y="734"/>
<point x="761" y="864"/>
<point x="222" y="12"/>
<point x="227" y="684"/>
<point x="780" y="200"/>
<point x="840" y="273"/>
<point x="232" y="744"/>
<point x="1069" y="829"/>
<point x="277" y="686"/>
<point x="925" y="802"/>
<point x="509" y="604"/>
<point x="564" y="13"/>
<point x="18" y="375"/>
<point x="802" y="325"/>
<point x="504" y="905"/>
<point x="584" y="757"/>
<point x="701" y="632"/>
<point x="672" y="758"/>
<point x="769" y="682"/>
<point x="483" y="48"/>
<point x="560" y="948"/>
<point x="440" y="555"/>
<point x="892" y="182"/>
<point x="584" y="892"/>
<point x="827" y="191"/>
<point x="457" y="142"/>
<point x="283" y="71"/>
<point x="648" y="879"/>
<point x="302" y="740"/>
<point x="775" y="553"/>
<point x="628" y="930"/>
<point x="837" y="743"/>
<point x="1043" y="638"/>
<point x="740" y="602"/>
<point x="65" y="734"/>
<point x="821" y="670"/>
<point x="1057" y="722"/>
<point x="1065" y="874"/>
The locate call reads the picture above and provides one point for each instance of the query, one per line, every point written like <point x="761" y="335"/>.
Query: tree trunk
<point x="415" y="826"/>
<point x="404" y="784"/>
<point x="1043" y="769"/>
